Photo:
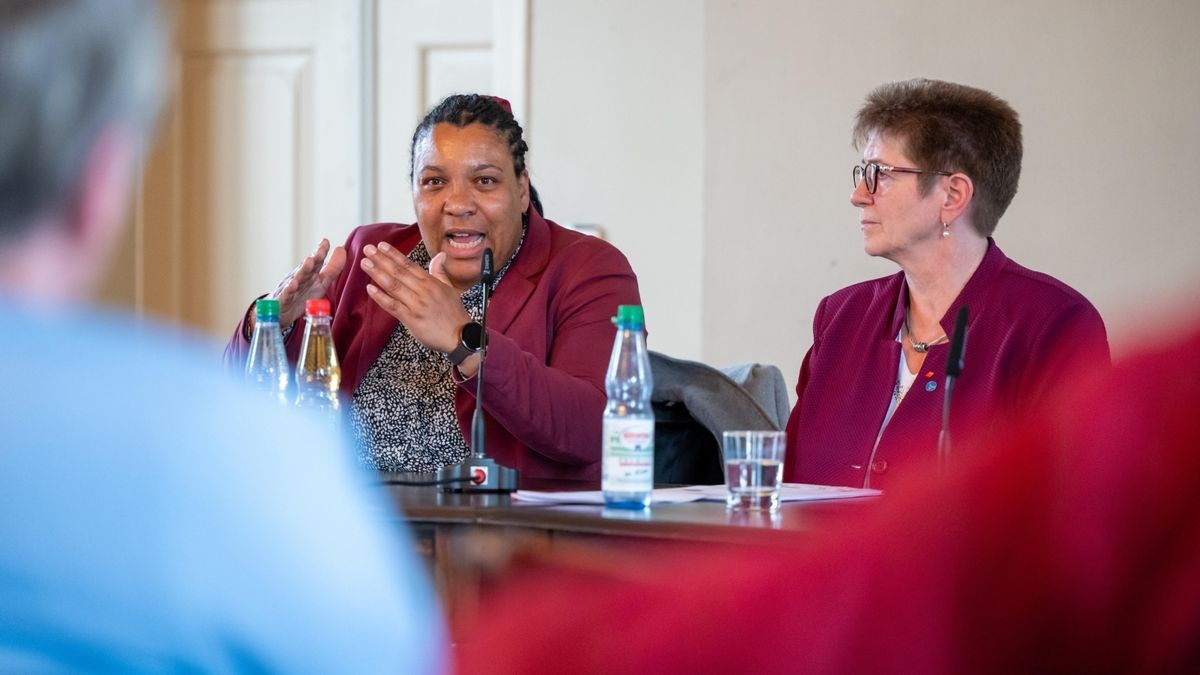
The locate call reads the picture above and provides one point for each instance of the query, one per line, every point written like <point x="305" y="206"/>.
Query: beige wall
<point x="712" y="141"/>
<point x="616" y="138"/>
<point x="1109" y="94"/>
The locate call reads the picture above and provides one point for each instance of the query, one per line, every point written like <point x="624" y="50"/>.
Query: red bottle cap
<point x="317" y="307"/>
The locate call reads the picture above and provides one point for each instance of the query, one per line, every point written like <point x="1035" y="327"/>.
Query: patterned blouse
<point x="403" y="409"/>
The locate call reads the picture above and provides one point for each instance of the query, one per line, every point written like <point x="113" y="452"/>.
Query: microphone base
<point x="484" y="473"/>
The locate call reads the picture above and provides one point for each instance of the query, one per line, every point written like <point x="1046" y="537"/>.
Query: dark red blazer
<point x="1023" y="326"/>
<point x="550" y="335"/>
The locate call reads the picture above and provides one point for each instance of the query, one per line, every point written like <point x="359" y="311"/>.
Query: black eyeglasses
<point x="870" y="173"/>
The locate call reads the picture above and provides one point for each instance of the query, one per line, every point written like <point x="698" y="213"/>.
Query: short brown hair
<point x="945" y="126"/>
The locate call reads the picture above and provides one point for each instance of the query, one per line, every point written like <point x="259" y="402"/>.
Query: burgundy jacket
<point x="1023" y="326"/>
<point x="550" y="335"/>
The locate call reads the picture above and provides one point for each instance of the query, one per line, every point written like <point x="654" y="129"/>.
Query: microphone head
<point x="486" y="267"/>
<point x="958" y="344"/>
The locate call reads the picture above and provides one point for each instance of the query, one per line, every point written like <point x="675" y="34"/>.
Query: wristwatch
<point x="470" y="341"/>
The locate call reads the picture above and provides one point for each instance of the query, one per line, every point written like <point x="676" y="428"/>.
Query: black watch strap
<point x="470" y="341"/>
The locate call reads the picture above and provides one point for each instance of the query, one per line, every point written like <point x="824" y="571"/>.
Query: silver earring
<point x="945" y="230"/>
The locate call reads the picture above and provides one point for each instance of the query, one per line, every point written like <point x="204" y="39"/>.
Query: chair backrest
<point x="695" y="403"/>
<point x="685" y="452"/>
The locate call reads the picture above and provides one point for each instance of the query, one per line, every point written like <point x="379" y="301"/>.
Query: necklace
<point x="922" y="347"/>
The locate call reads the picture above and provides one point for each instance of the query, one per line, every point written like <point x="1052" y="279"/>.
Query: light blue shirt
<point x="155" y="516"/>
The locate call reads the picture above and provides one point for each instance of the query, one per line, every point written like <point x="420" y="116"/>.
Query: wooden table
<point x="469" y="539"/>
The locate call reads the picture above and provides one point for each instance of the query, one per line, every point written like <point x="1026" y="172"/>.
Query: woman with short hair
<point x="941" y="162"/>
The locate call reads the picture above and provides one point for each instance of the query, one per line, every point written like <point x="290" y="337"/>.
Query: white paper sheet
<point x="660" y="496"/>
<point x="789" y="492"/>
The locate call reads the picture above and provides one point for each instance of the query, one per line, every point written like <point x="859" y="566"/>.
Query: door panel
<point x="260" y="156"/>
<point x="427" y="49"/>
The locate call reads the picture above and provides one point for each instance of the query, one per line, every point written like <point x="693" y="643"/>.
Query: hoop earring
<point x="945" y="230"/>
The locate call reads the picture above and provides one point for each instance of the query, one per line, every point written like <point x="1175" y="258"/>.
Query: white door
<point x="427" y="49"/>
<point x="260" y="154"/>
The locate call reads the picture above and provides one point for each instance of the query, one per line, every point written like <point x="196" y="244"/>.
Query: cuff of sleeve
<point x="459" y="378"/>
<point x="287" y="330"/>
<point x="246" y="318"/>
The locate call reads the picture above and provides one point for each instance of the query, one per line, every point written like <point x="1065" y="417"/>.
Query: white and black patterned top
<point x="403" y="409"/>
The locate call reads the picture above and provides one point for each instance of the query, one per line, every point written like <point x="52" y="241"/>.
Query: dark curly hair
<point x="463" y="109"/>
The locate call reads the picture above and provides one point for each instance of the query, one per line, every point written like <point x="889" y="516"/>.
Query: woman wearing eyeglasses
<point x="940" y="165"/>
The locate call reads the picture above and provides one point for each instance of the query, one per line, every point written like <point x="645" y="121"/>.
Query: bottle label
<point x="628" y="464"/>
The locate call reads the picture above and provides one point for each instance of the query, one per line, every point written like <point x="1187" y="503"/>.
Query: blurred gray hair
<point x="69" y="69"/>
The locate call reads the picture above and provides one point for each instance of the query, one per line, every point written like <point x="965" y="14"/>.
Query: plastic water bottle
<point x="628" y="443"/>
<point x="267" y="367"/>
<point x="318" y="375"/>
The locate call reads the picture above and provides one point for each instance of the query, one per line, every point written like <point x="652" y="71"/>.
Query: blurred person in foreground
<point x="940" y="165"/>
<point x="1071" y="543"/>
<point x="407" y="300"/>
<point x="153" y="516"/>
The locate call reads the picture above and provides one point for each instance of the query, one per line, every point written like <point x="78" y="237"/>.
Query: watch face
<point x="472" y="336"/>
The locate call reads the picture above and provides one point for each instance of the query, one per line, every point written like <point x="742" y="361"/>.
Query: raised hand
<point x="310" y="279"/>
<point x="424" y="302"/>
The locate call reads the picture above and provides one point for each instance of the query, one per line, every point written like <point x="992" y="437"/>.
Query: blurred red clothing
<point x="1070" y="543"/>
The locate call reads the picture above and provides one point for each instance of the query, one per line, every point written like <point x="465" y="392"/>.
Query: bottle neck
<point x="633" y="336"/>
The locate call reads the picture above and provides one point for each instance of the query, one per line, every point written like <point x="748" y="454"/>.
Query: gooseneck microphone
<point x="480" y="473"/>
<point x="954" y="366"/>
<point x="485" y="277"/>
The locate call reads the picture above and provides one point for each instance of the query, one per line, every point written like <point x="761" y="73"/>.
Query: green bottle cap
<point x="267" y="309"/>
<point x="629" y="315"/>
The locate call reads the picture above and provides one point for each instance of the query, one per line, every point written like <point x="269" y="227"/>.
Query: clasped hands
<point x="425" y="302"/>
